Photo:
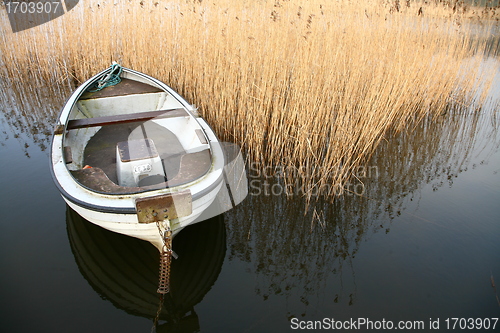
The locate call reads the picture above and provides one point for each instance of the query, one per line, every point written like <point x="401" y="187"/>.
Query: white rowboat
<point x="133" y="156"/>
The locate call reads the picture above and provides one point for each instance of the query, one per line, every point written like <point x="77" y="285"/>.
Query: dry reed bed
<point x="307" y="86"/>
<point x="454" y="9"/>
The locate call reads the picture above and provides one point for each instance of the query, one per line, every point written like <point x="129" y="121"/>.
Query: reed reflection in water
<point x="30" y="108"/>
<point x="294" y="248"/>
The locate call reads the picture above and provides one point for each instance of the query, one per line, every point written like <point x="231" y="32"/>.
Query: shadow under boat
<point x="124" y="270"/>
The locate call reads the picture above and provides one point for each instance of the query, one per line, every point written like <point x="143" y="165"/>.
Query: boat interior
<point x="134" y="137"/>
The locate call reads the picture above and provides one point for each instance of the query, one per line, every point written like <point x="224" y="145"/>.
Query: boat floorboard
<point x="100" y="151"/>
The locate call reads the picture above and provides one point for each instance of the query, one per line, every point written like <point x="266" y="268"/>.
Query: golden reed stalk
<point x="308" y="85"/>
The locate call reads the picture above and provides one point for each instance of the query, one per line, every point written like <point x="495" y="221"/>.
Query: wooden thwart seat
<point x="125" y="118"/>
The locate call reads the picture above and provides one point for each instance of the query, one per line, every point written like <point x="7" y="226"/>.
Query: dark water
<point x="422" y="243"/>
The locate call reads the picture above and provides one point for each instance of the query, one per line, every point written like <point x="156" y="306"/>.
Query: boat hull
<point x="117" y="211"/>
<point x="128" y="224"/>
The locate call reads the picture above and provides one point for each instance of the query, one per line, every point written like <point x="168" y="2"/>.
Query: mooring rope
<point x="165" y="259"/>
<point x="110" y="78"/>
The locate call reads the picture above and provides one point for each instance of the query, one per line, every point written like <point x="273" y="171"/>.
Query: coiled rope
<point x="110" y="78"/>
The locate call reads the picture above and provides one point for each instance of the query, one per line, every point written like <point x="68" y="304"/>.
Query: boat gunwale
<point x="129" y="210"/>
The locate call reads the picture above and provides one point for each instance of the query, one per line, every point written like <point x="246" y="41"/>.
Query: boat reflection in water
<point x="124" y="270"/>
